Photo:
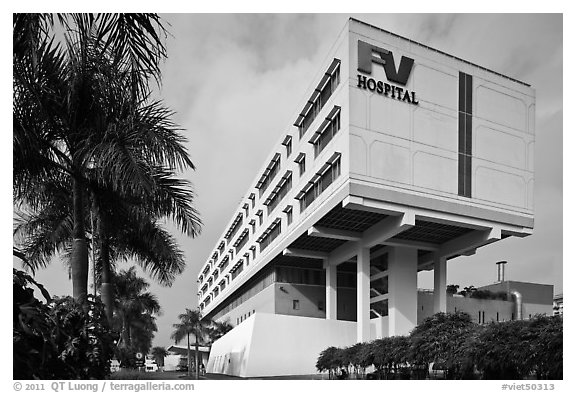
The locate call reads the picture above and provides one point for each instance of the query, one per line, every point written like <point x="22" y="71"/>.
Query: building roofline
<point x="439" y="51"/>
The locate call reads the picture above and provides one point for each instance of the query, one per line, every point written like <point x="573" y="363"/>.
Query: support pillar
<point x="363" y="294"/>
<point x="331" y="292"/>
<point x="439" y="284"/>
<point x="402" y="290"/>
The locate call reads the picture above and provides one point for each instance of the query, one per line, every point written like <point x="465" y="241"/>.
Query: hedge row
<point x="459" y="347"/>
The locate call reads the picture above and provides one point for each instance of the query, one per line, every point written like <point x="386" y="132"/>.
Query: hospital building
<point x="399" y="158"/>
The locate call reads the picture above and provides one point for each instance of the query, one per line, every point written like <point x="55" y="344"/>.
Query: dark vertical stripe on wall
<point x="465" y="135"/>
<point x="469" y="94"/>
<point x="462" y="92"/>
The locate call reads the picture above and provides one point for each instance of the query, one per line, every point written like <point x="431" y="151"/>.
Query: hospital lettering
<point x="387" y="89"/>
<point x="368" y="55"/>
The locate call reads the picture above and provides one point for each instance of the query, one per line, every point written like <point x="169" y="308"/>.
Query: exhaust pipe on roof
<point x="500" y="266"/>
<point x="517" y="304"/>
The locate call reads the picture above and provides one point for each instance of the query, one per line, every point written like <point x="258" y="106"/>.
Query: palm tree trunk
<point x="79" y="259"/>
<point x="189" y="359"/>
<point x="107" y="287"/>
<point x="196" y="357"/>
<point x="126" y="332"/>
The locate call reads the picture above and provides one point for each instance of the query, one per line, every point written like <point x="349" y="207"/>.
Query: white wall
<point x="414" y="148"/>
<point x="275" y="345"/>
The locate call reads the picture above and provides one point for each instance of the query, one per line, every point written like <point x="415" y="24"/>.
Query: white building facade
<point x="400" y="158"/>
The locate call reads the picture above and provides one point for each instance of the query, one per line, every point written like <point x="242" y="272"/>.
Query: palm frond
<point x="153" y="248"/>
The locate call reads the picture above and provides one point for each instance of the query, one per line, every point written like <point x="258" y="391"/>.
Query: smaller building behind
<point x="177" y="358"/>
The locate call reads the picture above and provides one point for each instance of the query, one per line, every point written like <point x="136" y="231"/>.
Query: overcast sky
<point x="236" y="80"/>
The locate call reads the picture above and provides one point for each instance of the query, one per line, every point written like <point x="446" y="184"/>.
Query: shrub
<point x="327" y="361"/>
<point x="502" y="351"/>
<point x="505" y="350"/>
<point x="546" y="340"/>
<point x="438" y="339"/>
<point x="59" y="339"/>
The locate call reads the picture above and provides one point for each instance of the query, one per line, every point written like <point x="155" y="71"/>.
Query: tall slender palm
<point x="66" y="121"/>
<point x="191" y="323"/>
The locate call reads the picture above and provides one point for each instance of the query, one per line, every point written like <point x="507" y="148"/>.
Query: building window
<point x="241" y="241"/>
<point x="253" y="249"/>
<point x="246" y="209"/>
<point x="326" y="132"/>
<point x="252" y="197"/>
<point x="321" y="94"/>
<point x="325" y="178"/>
<point x="247" y="258"/>
<point x="236" y="225"/>
<point x="260" y="215"/>
<point x="222" y="265"/>
<point x="288" y="211"/>
<point x="288" y="143"/>
<point x="301" y="161"/>
<point x="269" y="173"/>
<point x="279" y="192"/>
<point x="253" y="224"/>
<point x="237" y="269"/>
<point x="295" y="304"/>
<point x="270" y="234"/>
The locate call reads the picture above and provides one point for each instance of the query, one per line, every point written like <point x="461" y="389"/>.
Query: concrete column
<point x="331" y="292"/>
<point x="363" y="294"/>
<point x="439" y="284"/>
<point x="402" y="290"/>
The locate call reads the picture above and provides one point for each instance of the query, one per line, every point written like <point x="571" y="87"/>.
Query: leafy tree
<point x="467" y="291"/>
<point x="191" y="322"/>
<point x="58" y="339"/>
<point x="452" y="289"/>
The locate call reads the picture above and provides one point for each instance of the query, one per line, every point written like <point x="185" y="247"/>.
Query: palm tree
<point x="134" y="235"/>
<point x="67" y="121"/>
<point x="191" y="322"/>
<point x="159" y="354"/>
<point x="135" y="310"/>
<point x="218" y="329"/>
